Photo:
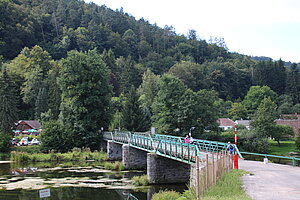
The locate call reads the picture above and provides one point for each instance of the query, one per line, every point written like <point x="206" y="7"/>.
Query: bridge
<point x="167" y="158"/>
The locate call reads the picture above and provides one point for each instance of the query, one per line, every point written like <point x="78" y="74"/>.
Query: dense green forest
<point x="78" y="67"/>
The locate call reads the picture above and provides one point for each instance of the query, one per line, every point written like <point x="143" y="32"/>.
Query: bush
<point x="114" y="166"/>
<point x="54" y="137"/>
<point x="4" y="142"/>
<point x="140" y="180"/>
<point x="297" y="142"/>
<point x="253" y="142"/>
<point x="166" y="195"/>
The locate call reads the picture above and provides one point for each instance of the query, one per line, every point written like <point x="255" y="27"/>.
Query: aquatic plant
<point x="140" y="180"/>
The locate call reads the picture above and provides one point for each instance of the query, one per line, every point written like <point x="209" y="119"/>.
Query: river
<point x="74" y="181"/>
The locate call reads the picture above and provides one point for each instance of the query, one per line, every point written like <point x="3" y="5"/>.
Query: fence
<point x="209" y="170"/>
<point x="292" y="159"/>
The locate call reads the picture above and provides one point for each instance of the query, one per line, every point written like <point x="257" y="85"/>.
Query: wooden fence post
<point x="197" y="178"/>
<point x="206" y="171"/>
<point x="213" y="168"/>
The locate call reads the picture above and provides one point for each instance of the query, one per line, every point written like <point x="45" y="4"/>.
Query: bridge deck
<point x="169" y="146"/>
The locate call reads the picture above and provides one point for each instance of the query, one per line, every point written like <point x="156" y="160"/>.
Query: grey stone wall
<point x="114" y="150"/>
<point x="165" y="170"/>
<point x="134" y="158"/>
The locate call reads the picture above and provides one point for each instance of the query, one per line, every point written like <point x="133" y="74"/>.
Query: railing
<point x="167" y="145"/>
<point x="294" y="160"/>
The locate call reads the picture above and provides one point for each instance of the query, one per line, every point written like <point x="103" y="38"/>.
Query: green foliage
<point x="118" y="166"/>
<point x="284" y="149"/>
<point x="252" y="141"/>
<point x="148" y="88"/>
<point x="228" y="187"/>
<point x="9" y="103"/>
<point x="134" y="119"/>
<point x="55" y="137"/>
<point x="140" y="180"/>
<point x="297" y="142"/>
<point x="166" y="105"/>
<point x="198" y="109"/>
<point x="74" y="155"/>
<point x="166" y="195"/>
<point x="237" y="111"/>
<point x="4" y="142"/>
<point x="255" y="96"/>
<point x="264" y="118"/>
<point x="281" y="132"/>
<point x="86" y="96"/>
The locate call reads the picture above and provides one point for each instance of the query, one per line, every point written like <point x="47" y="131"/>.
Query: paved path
<point x="271" y="181"/>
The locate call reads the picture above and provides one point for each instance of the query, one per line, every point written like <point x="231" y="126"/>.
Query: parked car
<point x="23" y="141"/>
<point x="34" y="141"/>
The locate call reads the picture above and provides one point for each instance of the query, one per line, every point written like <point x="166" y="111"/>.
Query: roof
<point x="32" y="123"/>
<point x="225" y="122"/>
<point x="243" y="122"/>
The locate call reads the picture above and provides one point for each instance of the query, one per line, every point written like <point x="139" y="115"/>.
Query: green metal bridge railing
<point x="293" y="159"/>
<point x="168" y="146"/>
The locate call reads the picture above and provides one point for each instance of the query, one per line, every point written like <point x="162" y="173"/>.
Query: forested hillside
<point x="86" y="66"/>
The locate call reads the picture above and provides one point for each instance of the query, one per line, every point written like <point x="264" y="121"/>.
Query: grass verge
<point x="284" y="149"/>
<point x="229" y="187"/>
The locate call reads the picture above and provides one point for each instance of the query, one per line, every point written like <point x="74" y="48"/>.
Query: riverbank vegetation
<point x="140" y="180"/>
<point x="76" y="154"/>
<point x="228" y="187"/>
<point x="118" y="166"/>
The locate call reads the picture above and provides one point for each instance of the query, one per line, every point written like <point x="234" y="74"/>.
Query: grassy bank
<point x="284" y="149"/>
<point x="76" y="154"/>
<point x="228" y="187"/>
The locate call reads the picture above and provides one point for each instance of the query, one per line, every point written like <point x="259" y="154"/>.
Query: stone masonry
<point x="134" y="158"/>
<point x="114" y="150"/>
<point x="164" y="170"/>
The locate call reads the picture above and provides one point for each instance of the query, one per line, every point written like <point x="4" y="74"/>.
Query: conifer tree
<point x="8" y="103"/>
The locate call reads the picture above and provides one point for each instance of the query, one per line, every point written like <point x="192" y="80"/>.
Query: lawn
<point x="284" y="149"/>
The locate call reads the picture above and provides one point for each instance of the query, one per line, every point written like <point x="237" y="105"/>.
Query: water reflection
<point x="90" y="181"/>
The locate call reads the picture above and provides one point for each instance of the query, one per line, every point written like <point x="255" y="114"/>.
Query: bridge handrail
<point x="274" y="156"/>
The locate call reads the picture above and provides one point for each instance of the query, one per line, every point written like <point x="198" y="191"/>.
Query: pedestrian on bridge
<point x="230" y="148"/>
<point x="187" y="139"/>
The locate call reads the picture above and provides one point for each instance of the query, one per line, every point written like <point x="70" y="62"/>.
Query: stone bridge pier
<point x="160" y="170"/>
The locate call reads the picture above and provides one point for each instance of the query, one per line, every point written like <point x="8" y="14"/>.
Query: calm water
<point x="91" y="183"/>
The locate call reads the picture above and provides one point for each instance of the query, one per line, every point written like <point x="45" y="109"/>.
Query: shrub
<point x="253" y="142"/>
<point x="140" y="180"/>
<point x="297" y="142"/>
<point x="114" y="166"/>
<point x="4" y="142"/>
<point x="166" y="195"/>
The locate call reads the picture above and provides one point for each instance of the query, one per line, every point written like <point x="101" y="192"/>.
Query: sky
<point x="268" y="28"/>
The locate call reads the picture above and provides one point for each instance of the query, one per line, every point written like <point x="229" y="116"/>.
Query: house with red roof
<point x="225" y="123"/>
<point x="23" y="125"/>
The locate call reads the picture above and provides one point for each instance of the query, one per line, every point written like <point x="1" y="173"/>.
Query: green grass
<point x="140" y="180"/>
<point x="74" y="155"/>
<point x="229" y="187"/>
<point x="118" y="166"/>
<point x="284" y="149"/>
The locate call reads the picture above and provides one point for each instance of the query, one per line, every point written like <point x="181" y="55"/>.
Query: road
<point x="271" y="181"/>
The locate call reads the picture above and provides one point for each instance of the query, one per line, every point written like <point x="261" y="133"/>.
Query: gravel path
<point x="271" y="181"/>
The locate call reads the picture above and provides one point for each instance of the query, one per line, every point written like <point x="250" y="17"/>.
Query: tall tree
<point x="198" y="109"/>
<point x="293" y="84"/>
<point x="166" y="105"/>
<point x="134" y="119"/>
<point x="8" y="103"/>
<point x="86" y="96"/>
<point x="148" y="88"/>
<point x="264" y="118"/>
<point x="255" y="96"/>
